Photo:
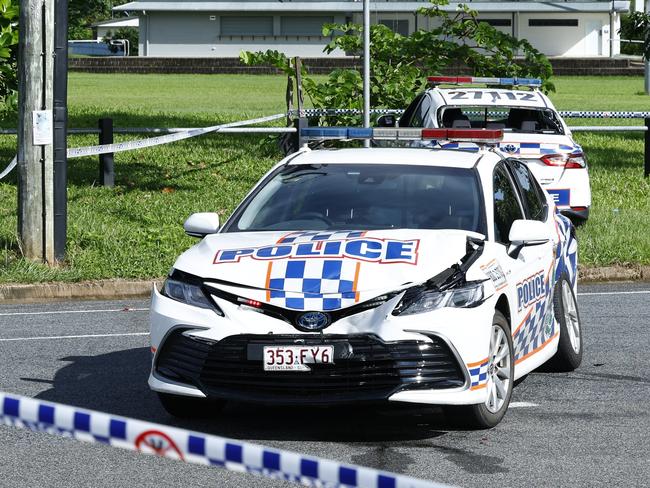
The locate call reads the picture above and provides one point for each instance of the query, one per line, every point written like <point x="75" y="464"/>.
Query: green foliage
<point x="83" y="13"/>
<point x="131" y="34"/>
<point x="401" y="64"/>
<point x="8" y="54"/>
<point x="636" y="26"/>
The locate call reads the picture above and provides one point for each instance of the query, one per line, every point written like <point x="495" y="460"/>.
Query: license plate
<point x="296" y="358"/>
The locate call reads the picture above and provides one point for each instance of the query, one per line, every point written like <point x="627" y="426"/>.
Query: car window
<point x="364" y="197"/>
<point x="409" y="116"/>
<point x="531" y="191"/>
<point x="421" y="115"/>
<point x="506" y="205"/>
<point x="509" y="119"/>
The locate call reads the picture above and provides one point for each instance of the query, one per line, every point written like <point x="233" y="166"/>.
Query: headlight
<point x="179" y="287"/>
<point x="467" y="296"/>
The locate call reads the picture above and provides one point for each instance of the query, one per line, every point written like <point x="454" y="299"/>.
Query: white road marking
<point x="60" y="312"/>
<point x="522" y="405"/>
<point x="87" y="336"/>
<point x="639" y="292"/>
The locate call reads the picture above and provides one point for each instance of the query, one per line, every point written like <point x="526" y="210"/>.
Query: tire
<point x="189" y="407"/>
<point x="565" y="307"/>
<point x="489" y="414"/>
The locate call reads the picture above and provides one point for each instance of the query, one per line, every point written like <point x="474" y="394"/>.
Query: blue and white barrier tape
<point x="316" y="112"/>
<point x="193" y="447"/>
<point x="79" y="152"/>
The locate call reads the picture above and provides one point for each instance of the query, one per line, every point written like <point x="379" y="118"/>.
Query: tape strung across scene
<point x="193" y="447"/>
<point x="79" y="152"/>
<point x="311" y="112"/>
<point x="316" y="112"/>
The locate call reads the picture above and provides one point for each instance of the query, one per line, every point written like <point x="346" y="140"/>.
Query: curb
<point x="87" y="290"/>
<point x="132" y="289"/>
<point x="613" y="273"/>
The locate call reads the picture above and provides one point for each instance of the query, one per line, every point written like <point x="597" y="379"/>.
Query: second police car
<point x="534" y="131"/>
<point x="425" y="276"/>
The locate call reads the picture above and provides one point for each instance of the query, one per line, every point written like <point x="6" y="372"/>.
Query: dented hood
<point x="322" y="270"/>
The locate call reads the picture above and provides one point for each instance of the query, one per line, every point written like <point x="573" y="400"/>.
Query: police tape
<point x="193" y="447"/>
<point x="79" y="152"/>
<point x="317" y="112"/>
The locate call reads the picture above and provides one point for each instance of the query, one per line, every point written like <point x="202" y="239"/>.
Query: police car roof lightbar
<point x="473" y="80"/>
<point x="479" y="136"/>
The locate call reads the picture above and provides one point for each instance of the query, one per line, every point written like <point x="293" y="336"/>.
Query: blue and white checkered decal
<point x="478" y="374"/>
<point x="523" y="148"/>
<point x="538" y="326"/>
<point x="567" y="250"/>
<point x="193" y="447"/>
<point x="323" y="284"/>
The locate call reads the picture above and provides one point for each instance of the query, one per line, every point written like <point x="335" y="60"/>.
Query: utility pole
<point x="366" y="67"/>
<point x="60" y="128"/>
<point x="35" y="151"/>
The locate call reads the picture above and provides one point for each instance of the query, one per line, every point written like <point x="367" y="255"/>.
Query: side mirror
<point x="201" y="224"/>
<point x="527" y="233"/>
<point x="388" y="120"/>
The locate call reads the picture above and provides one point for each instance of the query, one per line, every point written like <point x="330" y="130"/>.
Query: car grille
<point x="373" y="369"/>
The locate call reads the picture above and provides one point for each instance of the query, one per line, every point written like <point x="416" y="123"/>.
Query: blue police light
<point x="360" y="133"/>
<point x="325" y="132"/>
<point x="528" y="82"/>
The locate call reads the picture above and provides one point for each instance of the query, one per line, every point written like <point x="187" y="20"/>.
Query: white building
<point x="571" y="28"/>
<point x="101" y="29"/>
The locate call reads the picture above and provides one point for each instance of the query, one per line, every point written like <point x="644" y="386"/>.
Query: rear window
<point x="509" y="119"/>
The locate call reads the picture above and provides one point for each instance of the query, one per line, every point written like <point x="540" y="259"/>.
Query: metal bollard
<point x="106" y="161"/>
<point x="646" y="168"/>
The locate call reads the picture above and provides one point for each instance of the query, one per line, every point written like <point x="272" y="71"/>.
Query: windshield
<point x="510" y="119"/>
<point x="363" y="197"/>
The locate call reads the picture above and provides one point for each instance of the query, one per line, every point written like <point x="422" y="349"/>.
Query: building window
<point x="497" y="22"/>
<point x="246" y="26"/>
<point x="303" y="26"/>
<point x="553" y="22"/>
<point x="399" y="26"/>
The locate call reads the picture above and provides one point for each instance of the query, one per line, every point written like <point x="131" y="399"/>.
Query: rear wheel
<point x="500" y="374"/>
<point x="565" y="307"/>
<point x="189" y="407"/>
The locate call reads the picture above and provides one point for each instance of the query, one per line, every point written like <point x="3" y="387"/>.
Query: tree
<point x="8" y="54"/>
<point x="83" y="13"/>
<point x="636" y="26"/>
<point x="401" y="64"/>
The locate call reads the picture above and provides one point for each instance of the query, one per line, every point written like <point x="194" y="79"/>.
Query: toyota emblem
<point x="313" y="321"/>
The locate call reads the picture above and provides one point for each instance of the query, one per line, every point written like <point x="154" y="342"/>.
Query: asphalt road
<point x="586" y="428"/>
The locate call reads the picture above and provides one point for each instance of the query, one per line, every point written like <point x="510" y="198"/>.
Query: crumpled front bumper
<point x="432" y="358"/>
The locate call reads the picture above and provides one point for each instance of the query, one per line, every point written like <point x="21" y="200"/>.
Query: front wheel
<point x="565" y="307"/>
<point x="500" y="374"/>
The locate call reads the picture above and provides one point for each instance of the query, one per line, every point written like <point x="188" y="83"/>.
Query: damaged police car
<point x="416" y="275"/>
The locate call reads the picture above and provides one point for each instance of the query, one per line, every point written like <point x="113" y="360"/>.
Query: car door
<point x="529" y="270"/>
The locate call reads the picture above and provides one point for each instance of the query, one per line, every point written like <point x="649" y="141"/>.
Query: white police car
<point x="534" y="132"/>
<point x="426" y="276"/>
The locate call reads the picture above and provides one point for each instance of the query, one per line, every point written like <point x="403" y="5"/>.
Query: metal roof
<point x="567" y="7"/>
<point x="121" y="22"/>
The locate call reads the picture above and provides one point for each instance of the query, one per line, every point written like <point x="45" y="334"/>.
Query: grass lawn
<point x="135" y="230"/>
